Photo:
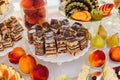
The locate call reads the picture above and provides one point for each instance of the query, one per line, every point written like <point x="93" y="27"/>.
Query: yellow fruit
<point x="27" y="63"/>
<point x="102" y="32"/>
<point x="113" y="40"/>
<point x="98" y="42"/>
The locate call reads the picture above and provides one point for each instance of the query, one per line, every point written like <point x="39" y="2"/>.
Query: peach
<point x="96" y="58"/>
<point x="27" y="63"/>
<point x="39" y="3"/>
<point x="27" y="3"/>
<point x="30" y="11"/>
<point x="114" y="53"/>
<point x="42" y="12"/>
<point x="16" y="54"/>
<point x="40" y="72"/>
<point x="41" y="20"/>
<point x="32" y="19"/>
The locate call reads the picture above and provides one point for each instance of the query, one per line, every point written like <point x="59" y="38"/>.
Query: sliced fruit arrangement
<point x="74" y="9"/>
<point x="20" y="57"/>
<point x="9" y="73"/>
<point x="75" y="5"/>
<point x="106" y="8"/>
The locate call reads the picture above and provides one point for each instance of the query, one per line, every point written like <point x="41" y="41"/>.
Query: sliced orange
<point x="81" y="16"/>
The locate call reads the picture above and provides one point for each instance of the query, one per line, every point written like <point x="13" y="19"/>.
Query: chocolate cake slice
<point x="76" y="26"/>
<point x="50" y="48"/>
<point x="46" y="26"/>
<point x="30" y="35"/>
<point x="61" y="44"/>
<point x="49" y="34"/>
<point x="82" y="32"/>
<point x="73" y="46"/>
<point x="83" y="42"/>
<point x="39" y="47"/>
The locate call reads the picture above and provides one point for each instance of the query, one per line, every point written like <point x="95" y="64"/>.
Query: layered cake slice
<point x="54" y="22"/>
<point x="30" y="35"/>
<point x="73" y="46"/>
<point x="82" y="32"/>
<point x="76" y="26"/>
<point x="49" y="34"/>
<point x="7" y="41"/>
<point x="1" y="44"/>
<point x="16" y="36"/>
<point x="46" y="26"/>
<point x="13" y="24"/>
<point x="39" y="47"/>
<point x="68" y="34"/>
<point x="3" y="6"/>
<point x="61" y="44"/>
<point x="50" y="47"/>
<point x="83" y="42"/>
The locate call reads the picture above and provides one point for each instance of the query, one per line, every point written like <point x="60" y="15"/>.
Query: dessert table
<point x="72" y="68"/>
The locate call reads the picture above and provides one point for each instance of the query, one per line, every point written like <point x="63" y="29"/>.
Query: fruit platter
<point x="34" y="46"/>
<point x="86" y="11"/>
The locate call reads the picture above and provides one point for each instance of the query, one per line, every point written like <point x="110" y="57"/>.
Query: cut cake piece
<point x="73" y="46"/>
<point x="50" y="48"/>
<point x="39" y="47"/>
<point x="61" y="44"/>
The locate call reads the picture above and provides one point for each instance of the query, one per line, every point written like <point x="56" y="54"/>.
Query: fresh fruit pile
<point x="27" y="64"/>
<point x="101" y="37"/>
<point x="34" y="11"/>
<point x="86" y="10"/>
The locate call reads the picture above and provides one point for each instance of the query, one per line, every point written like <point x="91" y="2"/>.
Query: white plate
<point x="7" y="14"/>
<point x="61" y="58"/>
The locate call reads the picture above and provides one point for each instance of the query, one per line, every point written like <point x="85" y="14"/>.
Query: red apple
<point x="40" y="72"/>
<point x="114" y="53"/>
